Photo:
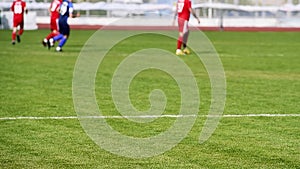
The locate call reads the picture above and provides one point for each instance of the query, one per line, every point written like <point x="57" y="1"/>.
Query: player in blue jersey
<point x="66" y="10"/>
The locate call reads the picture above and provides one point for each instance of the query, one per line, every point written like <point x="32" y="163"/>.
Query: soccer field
<point x="259" y="127"/>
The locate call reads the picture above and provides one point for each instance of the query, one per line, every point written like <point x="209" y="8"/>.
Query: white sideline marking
<point x="146" y="116"/>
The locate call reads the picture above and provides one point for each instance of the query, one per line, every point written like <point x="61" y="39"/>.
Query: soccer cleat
<point x="50" y="43"/>
<point x="186" y="51"/>
<point x="58" y="49"/>
<point x="179" y="52"/>
<point x="18" y="38"/>
<point x="13" y="42"/>
<point x="44" y="42"/>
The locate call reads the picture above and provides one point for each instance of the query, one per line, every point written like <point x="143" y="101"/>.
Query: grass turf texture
<point x="262" y="71"/>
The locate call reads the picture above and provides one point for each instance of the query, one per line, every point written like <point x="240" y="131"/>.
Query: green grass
<point x="263" y="77"/>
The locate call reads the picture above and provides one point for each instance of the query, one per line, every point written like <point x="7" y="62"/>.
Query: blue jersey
<point x="65" y="9"/>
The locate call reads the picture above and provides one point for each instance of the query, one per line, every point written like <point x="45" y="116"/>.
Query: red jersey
<point x="183" y="9"/>
<point x="54" y="9"/>
<point x="18" y="7"/>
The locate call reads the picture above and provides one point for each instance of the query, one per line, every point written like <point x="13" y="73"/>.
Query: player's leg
<point x="13" y="35"/>
<point x="185" y="48"/>
<point x="52" y="34"/>
<point x="50" y="42"/>
<point x="63" y="40"/>
<point x="58" y="37"/>
<point x="180" y="37"/>
<point x="20" y="31"/>
<point x="62" y="43"/>
<point x="62" y="28"/>
<point x="54" y="31"/>
<point x="185" y="38"/>
<point x="14" y="31"/>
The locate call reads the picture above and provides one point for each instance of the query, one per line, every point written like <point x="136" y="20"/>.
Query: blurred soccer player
<point x="54" y="15"/>
<point x="183" y="11"/>
<point x="18" y="8"/>
<point x="66" y="11"/>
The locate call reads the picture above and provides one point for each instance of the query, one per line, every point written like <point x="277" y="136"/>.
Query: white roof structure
<point x="98" y="6"/>
<point x="132" y="5"/>
<point x="249" y="8"/>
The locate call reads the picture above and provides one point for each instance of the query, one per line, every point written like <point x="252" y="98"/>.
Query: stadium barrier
<point x="29" y="20"/>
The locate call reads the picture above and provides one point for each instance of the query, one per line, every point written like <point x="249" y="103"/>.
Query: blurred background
<point x="214" y="13"/>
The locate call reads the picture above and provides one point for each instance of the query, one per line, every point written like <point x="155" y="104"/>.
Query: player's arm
<point x="194" y="14"/>
<point x="49" y="10"/>
<point x="72" y="12"/>
<point x="175" y="15"/>
<point x="25" y="7"/>
<point x="26" y="10"/>
<point x="12" y="7"/>
<point x="75" y="14"/>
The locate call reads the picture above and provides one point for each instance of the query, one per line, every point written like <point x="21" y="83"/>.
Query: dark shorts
<point x="64" y="28"/>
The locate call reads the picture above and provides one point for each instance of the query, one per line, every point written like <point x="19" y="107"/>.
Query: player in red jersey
<point x="18" y="7"/>
<point x="54" y="15"/>
<point x="183" y="11"/>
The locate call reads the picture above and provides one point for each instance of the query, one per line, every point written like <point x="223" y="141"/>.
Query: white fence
<point x="30" y="20"/>
<point x="205" y="8"/>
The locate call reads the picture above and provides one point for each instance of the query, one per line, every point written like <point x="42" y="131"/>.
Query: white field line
<point x="146" y="116"/>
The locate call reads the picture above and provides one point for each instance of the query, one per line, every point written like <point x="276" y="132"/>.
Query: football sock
<point x="51" y="35"/>
<point x="185" y="38"/>
<point x="58" y="37"/>
<point x="179" y="42"/>
<point x="62" y="42"/>
<point x="21" y="31"/>
<point x="13" y="36"/>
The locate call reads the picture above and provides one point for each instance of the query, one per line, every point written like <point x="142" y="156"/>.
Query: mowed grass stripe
<point x="147" y="116"/>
